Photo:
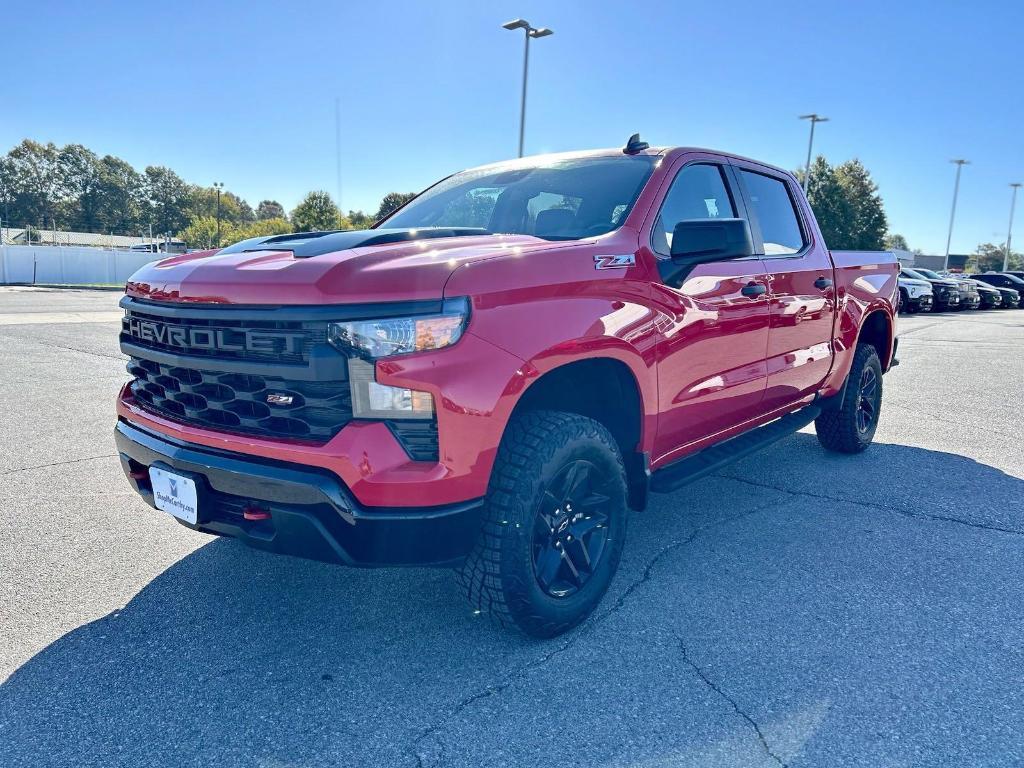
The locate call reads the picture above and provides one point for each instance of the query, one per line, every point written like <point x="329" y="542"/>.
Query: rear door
<point x="713" y="328"/>
<point x="800" y="279"/>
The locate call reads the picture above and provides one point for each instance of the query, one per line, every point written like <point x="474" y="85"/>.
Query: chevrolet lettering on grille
<point x="216" y="339"/>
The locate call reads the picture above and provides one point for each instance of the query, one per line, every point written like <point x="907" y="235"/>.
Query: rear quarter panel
<point x="867" y="281"/>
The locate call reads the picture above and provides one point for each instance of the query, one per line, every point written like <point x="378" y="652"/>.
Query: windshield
<point x="927" y="273"/>
<point x="555" y="200"/>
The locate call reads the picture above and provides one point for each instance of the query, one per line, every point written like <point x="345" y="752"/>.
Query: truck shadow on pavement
<point x="234" y="656"/>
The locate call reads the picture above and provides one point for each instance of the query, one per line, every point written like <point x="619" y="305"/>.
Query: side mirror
<point x="699" y="241"/>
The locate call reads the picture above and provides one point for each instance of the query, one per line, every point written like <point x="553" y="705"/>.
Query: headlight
<point x="371" y="339"/>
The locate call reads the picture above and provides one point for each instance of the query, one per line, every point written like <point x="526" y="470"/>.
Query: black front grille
<point x="238" y="402"/>
<point x="222" y="337"/>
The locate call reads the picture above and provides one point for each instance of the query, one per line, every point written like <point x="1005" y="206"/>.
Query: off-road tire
<point x="838" y="429"/>
<point x="499" y="575"/>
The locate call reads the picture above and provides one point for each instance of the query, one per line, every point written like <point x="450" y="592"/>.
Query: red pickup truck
<point x="493" y="376"/>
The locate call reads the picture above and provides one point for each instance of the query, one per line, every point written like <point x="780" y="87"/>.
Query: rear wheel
<point x="554" y="524"/>
<point x="851" y="427"/>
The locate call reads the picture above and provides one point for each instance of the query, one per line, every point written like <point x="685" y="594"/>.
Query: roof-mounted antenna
<point x="634" y="145"/>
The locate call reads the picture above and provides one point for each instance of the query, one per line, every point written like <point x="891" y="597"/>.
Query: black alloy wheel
<point x="867" y="401"/>
<point x="571" y="529"/>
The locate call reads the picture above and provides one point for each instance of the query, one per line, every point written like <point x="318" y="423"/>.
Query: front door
<point x="712" y="321"/>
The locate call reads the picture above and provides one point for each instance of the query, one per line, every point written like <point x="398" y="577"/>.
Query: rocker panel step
<point x="714" y="457"/>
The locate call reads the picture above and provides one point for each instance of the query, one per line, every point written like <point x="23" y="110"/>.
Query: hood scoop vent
<point x="303" y="245"/>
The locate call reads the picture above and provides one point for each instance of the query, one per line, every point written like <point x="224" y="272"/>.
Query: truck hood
<point x="275" y="271"/>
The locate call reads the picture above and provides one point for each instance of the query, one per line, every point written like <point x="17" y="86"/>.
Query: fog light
<point x="371" y="400"/>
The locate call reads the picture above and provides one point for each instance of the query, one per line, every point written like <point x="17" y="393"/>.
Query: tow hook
<point x="252" y="512"/>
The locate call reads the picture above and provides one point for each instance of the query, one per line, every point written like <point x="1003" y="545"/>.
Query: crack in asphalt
<point x="875" y="505"/>
<point x="57" y="463"/>
<point x="82" y="351"/>
<point x="735" y="705"/>
<point x="520" y="672"/>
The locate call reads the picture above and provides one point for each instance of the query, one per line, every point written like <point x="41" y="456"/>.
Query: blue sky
<point x="244" y="92"/>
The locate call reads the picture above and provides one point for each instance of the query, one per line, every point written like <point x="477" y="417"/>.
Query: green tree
<point x="260" y="228"/>
<point x="894" y="242"/>
<point x="829" y="203"/>
<point x="202" y="232"/>
<point x="270" y="209"/>
<point x="203" y="202"/>
<point x="317" y="212"/>
<point x="989" y="256"/>
<point x="393" y="201"/>
<point x="167" y="198"/>
<point x="32" y="178"/>
<point x="79" y="188"/>
<point x="846" y="205"/>
<point x="121" y="196"/>
<point x="869" y="223"/>
<point x="359" y="219"/>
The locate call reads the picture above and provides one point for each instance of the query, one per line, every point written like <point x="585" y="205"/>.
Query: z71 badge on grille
<point x="614" y="262"/>
<point x="275" y="398"/>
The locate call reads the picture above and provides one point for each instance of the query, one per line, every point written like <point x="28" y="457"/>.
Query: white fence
<point x="67" y="265"/>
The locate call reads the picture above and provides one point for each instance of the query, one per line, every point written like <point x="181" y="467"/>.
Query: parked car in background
<point x="945" y="292"/>
<point x="1011" y="298"/>
<point x="969" y="297"/>
<point x="991" y="297"/>
<point x="1004" y="280"/>
<point x="915" y="295"/>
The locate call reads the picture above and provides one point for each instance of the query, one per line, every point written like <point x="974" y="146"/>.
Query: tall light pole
<point x="524" y="25"/>
<point x="815" y="119"/>
<point x="337" y="143"/>
<point x="1009" y="232"/>
<point x="959" y="163"/>
<point x="218" y="185"/>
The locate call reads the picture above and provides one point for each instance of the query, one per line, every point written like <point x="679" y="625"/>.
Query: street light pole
<point x="960" y="163"/>
<point x="1009" y="231"/>
<point x="814" y="118"/>
<point x="218" y="185"/>
<point x="530" y="32"/>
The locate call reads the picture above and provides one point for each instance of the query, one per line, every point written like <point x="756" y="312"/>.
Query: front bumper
<point x="920" y="303"/>
<point x="311" y="512"/>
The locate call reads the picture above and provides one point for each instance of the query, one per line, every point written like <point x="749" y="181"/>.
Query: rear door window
<point x="773" y="207"/>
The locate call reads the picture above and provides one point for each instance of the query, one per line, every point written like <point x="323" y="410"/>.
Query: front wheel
<point x="554" y="524"/>
<point x="851" y="427"/>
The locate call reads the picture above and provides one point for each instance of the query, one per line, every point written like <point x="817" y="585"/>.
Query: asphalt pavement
<point x="798" y="609"/>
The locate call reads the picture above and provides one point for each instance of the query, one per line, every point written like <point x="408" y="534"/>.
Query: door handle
<point x="822" y="283"/>
<point x="753" y="289"/>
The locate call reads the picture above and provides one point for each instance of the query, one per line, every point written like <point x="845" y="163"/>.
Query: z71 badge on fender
<point x="608" y="261"/>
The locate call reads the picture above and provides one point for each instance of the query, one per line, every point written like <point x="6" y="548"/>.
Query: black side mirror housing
<point x="700" y="241"/>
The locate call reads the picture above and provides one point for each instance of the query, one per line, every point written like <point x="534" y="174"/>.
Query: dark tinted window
<point x="994" y="279"/>
<point x="780" y="226"/>
<point x="556" y="200"/>
<point x="698" y="192"/>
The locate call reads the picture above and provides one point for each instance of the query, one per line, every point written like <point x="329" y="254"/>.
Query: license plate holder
<point x="175" y="494"/>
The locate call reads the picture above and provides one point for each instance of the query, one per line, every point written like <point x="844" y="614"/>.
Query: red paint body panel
<point x="708" y="362"/>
